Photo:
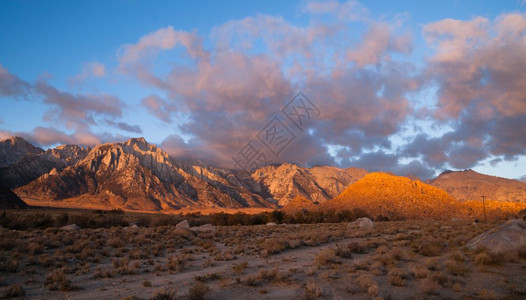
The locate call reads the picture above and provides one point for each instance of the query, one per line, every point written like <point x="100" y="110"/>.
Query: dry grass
<point x="417" y="259"/>
<point x="198" y="291"/>
<point x="165" y="294"/>
<point x="12" y="291"/>
<point x="325" y="256"/>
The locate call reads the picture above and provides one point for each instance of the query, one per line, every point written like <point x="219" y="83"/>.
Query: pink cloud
<point x="378" y="41"/>
<point x="162" y="39"/>
<point x="11" y="85"/>
<point x="77" y="111"/>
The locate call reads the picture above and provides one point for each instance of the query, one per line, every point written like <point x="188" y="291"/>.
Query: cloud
<point x="159" y="107"/>
<point x="11" y="85"/>
<point x="231" y="93"/>
<point x="90" y="70"/>
<point x="348" y="11"/>
<point x="379" y="40"/>
<point x="162" y="39"/>
<point x="124" y="126"/>
<point x="46" y="136"/>
<point x="478" y="66"/>
<point x="359" y="71"/>
<point x="77" y="111"/>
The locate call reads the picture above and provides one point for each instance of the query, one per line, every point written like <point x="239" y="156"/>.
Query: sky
<point x="409" y="87"/>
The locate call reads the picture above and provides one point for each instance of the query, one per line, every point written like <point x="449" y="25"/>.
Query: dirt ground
<point x="394" y="260"/>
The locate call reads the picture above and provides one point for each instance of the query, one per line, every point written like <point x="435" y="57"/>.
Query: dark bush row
<point x="41" y="219"/>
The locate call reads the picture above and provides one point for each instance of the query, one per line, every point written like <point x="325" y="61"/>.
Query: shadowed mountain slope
<point x="470" y="185"/>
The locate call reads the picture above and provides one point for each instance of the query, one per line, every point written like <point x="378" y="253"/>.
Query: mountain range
<point x="136" y="175"/>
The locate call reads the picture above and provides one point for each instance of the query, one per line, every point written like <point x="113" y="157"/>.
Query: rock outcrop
<point x="363" y="223"/>
<point x="317" y="184"/>
<point x="13" y="149"/>
<point x="21" y="162"/>
<point x="509" y="237"/>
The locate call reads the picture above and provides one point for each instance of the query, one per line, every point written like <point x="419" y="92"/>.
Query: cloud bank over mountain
<point x="368" y="76"/>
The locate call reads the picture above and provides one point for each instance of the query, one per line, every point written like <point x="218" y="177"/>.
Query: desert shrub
<point x="356" y="247"/>
<point x="240" y="267"/>
<point x="368" y="285"/>
<point x="125" y="267"/>
<point x="177" y="262"/>
<point x="12" y="291"/>
<point x="56" y="280"/>
<point x="312" y="291"/>
<point x="102" y="273"/>
<point x="397" y="276"/>
<point x="430" y="286"/>
<point x="46" y="260"/>
<point x="430" y="248"/>
<point x="198" y="291"/>
<point x="485" y="258"/>
<point x="224" y="256"/>
<point x="399" y="254"/>
<point x="208" y="277"/>
<point x="486" y="294"/>
<point x="147" y="283"/>
<point x="457" y="256"/>
<point x="264" y="275"/>
<point x="440" y="277"/>
<point x="343" y="252"/>
<point x="165" y="294"/>
<point x="11" y="265"/>
<point x="385" y="259"/>
<point x="432" y="264"/>
<point x="382" y="249"/>
<point x="419" y="271"/>
<point x="325" y="257"/>
<point x="456" y="268"/>
<point x="273" y="245"/>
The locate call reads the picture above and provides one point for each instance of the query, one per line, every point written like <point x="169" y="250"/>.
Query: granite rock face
<point x="22" y="162"/>
<point x="317" y="184"/>
<point x="13" y="149"/>
<point x="136" y="175"/>
<point x="509" y="237"/>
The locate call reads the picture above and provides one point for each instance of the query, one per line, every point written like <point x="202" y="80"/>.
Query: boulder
<point x="204" y="228"/>
<point x="183" y="225"/>
<point x="70" y="227"/>
<point x="506" y="238"/>
<point x="133" y="226"/>
<point x="364" y="223"/>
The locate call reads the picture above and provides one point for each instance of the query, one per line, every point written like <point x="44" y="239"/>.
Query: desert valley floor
<point x="393" y="260"/>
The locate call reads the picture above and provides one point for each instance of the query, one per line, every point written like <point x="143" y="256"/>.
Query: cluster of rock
<point x="185" y="225"/>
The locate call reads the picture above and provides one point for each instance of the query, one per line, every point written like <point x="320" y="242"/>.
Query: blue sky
<point x="201" y="79"/>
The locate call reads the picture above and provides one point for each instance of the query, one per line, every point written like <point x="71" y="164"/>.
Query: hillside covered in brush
<point x="381" y="194"/>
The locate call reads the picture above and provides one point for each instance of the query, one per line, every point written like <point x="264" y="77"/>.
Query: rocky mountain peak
<point x="471" y="185"/>
<point x="69" y="154"/>
<point x="14" y="148"/>
<point x="136" y="151"/>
